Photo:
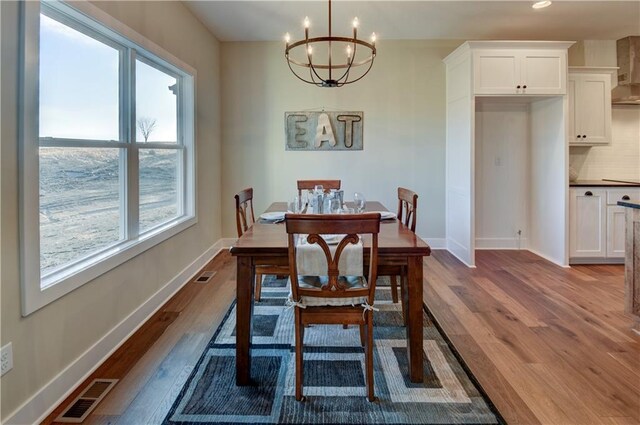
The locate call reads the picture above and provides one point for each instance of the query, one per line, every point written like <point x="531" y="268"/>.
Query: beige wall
<point x="403" y="99"/>
<point x="48" y="340"/>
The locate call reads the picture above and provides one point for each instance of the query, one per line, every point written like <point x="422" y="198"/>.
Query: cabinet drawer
<point x="615" y="195"/>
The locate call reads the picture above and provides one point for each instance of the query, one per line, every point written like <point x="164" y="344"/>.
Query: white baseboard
<point x="38" y="407"/>
<point x="436" y="243"/>
<point x="458" y="251"/>
<point x="546" y="257"/>
<point x="501" y="243"/>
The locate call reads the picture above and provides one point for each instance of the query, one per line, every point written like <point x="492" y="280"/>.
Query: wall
<point x="49" y="340"/>
<point x="502" y="173"/>
<point x="403" y="99"/>
<point x="620" y="159"/>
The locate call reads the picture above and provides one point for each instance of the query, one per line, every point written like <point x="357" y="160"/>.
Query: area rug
<point x="334" y="383"/>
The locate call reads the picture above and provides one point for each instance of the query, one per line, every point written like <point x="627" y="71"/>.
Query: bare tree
<point x="146" y="126"/>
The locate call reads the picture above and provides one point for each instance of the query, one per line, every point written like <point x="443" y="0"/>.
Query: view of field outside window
<point x="80" y="188"/>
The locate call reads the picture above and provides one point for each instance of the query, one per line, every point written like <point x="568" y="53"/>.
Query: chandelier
<point x="326" y="71"/>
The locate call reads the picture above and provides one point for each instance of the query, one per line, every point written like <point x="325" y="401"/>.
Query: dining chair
<point x="245" y="218"/>
<point x="311" y="184"/>
<point x="333" y="299"/>
<point x="407" y="207"/>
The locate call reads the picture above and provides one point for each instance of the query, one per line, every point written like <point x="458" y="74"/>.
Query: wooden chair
<point x="407" y="207"/>
<point x="244" y="207"/>
<point x="333" y="299"/>
<point x="311" y="184"/>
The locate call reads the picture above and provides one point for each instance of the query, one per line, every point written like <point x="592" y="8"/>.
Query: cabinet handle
<point x="579" y="136"/>
<point x="625" y="198"/>
<point x="588" y="193"/>
<point x="524" y="87"/>
<point x="517" y="87"/>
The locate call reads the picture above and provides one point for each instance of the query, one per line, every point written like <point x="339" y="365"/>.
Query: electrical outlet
<point x="6" y="359"/>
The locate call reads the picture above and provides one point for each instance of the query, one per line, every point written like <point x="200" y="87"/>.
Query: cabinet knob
<point x="524" y="87"/>
<point x="579" y="136"/>
<point x="517" y="87"/>
<point x="588" y="193"/>
<point x="625" y="198"/>
<point x="584" y="136"/>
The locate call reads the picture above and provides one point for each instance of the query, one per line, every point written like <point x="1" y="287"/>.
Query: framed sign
<point x="323" y="131"/>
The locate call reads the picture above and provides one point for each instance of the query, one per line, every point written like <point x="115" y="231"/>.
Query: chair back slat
<point x="407" y="207"/>
<point x="244" y="206"/>
<point x="327" y="185"/>
<point x="316" y="225"/>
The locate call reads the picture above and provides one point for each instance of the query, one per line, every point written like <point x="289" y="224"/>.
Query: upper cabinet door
<point x="496" y="71"/>
<point x="589" y="108"/>
<point x="520" y="72"/>
<point x="543" y="72"/>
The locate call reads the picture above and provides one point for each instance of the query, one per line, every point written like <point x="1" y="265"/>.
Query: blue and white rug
<point x="334" y="380"/>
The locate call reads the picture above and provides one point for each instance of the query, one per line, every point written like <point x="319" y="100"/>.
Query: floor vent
<point x="205" y="277"/>
<point x="82" y="406"/>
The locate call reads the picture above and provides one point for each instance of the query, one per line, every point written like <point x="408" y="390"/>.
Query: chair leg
<point x="363" y="332"/>
<point x="299" y="350"/>
<point x="258" y="286"/>
<point x="403" y="295"/>
<point x="368" y="355"/>
<point x="394" y="289"/>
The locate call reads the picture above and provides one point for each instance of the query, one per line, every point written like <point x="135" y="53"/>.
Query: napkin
<point x="311" y="260"/>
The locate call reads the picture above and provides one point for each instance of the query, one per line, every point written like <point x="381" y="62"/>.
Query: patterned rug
<point x="334" y="383"/>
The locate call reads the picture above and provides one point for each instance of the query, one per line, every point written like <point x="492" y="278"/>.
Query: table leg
<point x="414" y="319"/>
<point x="244" y="312"/>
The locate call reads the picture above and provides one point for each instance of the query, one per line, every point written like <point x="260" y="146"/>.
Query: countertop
<point x="603" y="183"/>
<point x="630" y="204"/>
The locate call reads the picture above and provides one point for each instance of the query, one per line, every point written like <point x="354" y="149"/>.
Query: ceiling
<point x="469" y="20"/>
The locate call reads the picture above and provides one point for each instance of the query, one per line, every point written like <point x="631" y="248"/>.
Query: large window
<point x="107" y="149"/>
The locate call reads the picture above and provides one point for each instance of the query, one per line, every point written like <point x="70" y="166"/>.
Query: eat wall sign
<point x="323" y="131"/>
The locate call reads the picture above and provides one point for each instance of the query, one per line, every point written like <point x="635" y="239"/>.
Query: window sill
<point x="60" y="283"/>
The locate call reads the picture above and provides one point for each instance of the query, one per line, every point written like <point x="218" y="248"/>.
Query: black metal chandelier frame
<point x="332" y="80"/>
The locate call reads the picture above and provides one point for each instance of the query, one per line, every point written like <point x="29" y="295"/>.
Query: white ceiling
<point x="469" y="20"/>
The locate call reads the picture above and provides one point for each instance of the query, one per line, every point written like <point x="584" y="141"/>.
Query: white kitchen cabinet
<point x="587" y="223"/>
<point x="589" y="92"/>
<point x="597" y="223"/>
<point x="615" y="231"/>
<point x="520" y="71"/>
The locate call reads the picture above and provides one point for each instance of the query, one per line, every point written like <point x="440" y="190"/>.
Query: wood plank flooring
<point x="548" y="345"/>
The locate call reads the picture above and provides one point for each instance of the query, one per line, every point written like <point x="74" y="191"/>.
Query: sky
<point x="79" y="89"/>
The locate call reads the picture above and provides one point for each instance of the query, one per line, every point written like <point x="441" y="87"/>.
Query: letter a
<point x="324" y="131"/>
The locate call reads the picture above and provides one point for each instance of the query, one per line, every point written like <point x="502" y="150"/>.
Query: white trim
<point x="435" y="243"/>
<point x="551" y="260"/>
<point x="502" y="243"/>
<point x="40" y="405"/>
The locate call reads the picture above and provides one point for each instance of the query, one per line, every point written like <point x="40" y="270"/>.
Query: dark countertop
<point x="603" y="183"/>
<point x="630" y="204"/>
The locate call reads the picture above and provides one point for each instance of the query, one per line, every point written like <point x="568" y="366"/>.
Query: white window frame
<point x="38" y="291"/>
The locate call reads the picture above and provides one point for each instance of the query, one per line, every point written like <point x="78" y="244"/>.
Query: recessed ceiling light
<point x="541" y="4"/>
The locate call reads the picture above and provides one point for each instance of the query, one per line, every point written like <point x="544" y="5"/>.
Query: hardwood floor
<point x="548" y="345"/>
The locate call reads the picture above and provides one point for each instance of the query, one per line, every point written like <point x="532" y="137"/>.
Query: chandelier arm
<point x="355" y="64"/>
<point x="346" y="73"/>
<point x="362" y="76"/>
<point x="299" y="77"/>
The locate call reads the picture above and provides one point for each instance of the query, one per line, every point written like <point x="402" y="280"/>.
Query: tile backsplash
<point x="620" y="159"/>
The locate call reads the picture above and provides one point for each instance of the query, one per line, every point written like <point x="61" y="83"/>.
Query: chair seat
<point x="317" y="282"/>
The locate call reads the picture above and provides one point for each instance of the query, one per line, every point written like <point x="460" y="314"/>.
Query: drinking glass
<point x="335" y="206"/>
<point x="359" y="201"/>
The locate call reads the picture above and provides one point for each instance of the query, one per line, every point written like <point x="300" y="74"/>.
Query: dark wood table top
<point x="271" y="239"/>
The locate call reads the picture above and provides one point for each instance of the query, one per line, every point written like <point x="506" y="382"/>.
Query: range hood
<point x="628" y="90"/>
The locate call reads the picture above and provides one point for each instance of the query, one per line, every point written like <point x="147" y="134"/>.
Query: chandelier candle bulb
<point x="348" y="51"/>
<point x="373" y="37"/>
<point x="309" y="50"/>
<point x="306" y="22"/>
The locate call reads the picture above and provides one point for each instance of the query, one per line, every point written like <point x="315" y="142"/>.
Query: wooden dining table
<point x="266" y="243"/>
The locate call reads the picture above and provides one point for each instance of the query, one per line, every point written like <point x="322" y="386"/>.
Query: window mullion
<point x="132" y="185"/>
